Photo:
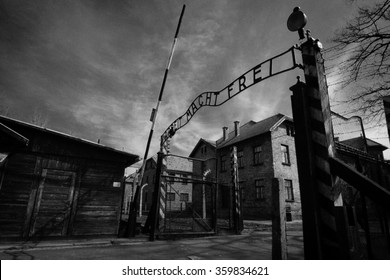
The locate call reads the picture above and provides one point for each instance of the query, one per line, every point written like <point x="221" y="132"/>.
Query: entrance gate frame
<point x="322" y="212"/>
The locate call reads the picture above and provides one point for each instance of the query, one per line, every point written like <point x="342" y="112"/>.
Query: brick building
<point x="265" y="150"/>
<point x="179" y="193"/>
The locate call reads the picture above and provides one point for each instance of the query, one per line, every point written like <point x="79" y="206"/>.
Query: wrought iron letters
<point x="216" y="98"/>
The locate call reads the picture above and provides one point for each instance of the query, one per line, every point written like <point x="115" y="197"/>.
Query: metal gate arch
<point x="324" y="217"/>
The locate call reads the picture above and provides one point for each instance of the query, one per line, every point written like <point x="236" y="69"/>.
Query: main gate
<point x="327" y="221"/>
<point x="187" y="200"/>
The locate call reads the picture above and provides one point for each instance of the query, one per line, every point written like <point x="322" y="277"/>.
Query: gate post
<point x="237" y="208"/>
<point x="157" y="197"/>
<point x="314" y="146"/>
<point x="279" y="237"/>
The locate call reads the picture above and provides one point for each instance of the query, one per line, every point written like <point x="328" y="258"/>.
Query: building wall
<point x="287" y="171"/>
<point x="50" y="195"/>
<point x="149" y="179"/>
<point x="253" y="177"/>
<point x="253" y="207"/>
<point x="59" y="186"/>
<point x="176" y="166"/>
<point x="203" y="200"/>
<point x="179" y="193"/>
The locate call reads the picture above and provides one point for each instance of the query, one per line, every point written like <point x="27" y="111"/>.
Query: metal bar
<point x="363" y="184"/>
<point x="293" y="56"/>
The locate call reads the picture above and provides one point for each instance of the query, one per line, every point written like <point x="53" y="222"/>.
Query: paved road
<point x="255" y="245"/>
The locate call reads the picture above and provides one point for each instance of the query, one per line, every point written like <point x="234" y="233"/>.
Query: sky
<point x="94" y="69"/>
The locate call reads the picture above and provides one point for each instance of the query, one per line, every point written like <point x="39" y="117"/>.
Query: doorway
<point x="53" y="203"/>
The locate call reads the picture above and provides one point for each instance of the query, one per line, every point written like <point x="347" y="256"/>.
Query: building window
<point x="285" y="155"/>
<point x="171" y="178"/>
<point x="242" y="194"/>
<point x="184" y="180"/>
<point x="223" y="163"/>
<point x="171" y="196"/>
<point x="260" y="188"/>
<point x="289" y="190"/>
<point x="290" y="131"/>
<point x="256" y="155"/>
<point x="184" y="197"/>
<point x="240" y="159"/>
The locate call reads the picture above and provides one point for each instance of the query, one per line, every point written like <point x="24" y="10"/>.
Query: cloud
<point x="96" y="67"/>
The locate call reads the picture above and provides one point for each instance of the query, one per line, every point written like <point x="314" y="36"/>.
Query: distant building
<point x="130" y="187"/>
<point x="54" y="184"/>
<point x="266" y="150"/>
<point x="369" y="146"/>
<point x="179" y="189"/>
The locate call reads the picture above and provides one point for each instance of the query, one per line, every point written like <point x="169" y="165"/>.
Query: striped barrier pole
<point x="237" y="215"/>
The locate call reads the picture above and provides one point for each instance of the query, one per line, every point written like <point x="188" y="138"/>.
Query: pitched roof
<point x="15" y="125"/>
<point x="200" y="142"/>
<point x="358" y="143"/>
<point x="252" y="128"/>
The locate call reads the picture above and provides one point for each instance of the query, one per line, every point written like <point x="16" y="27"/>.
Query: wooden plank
<point x="53" y="208"/>
<point x="32" y="197"/>
<point x="74" y="205"/>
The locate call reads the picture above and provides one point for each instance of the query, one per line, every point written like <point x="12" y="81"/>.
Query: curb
<point x="28" y="246"/>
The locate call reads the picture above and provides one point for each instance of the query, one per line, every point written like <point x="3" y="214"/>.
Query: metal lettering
<point x="256" y="70"/>
<point x="240" y="84"/>
<point x="199" y="101"/>
<point x="230" y="89"/>
<point x="208" y="98"/>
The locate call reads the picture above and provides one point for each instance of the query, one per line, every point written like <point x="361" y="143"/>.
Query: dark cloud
<point x="95" y="68"/>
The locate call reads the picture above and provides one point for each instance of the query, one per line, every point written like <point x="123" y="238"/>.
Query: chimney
<point x="236" y="128"/>
<point x="225" y="133"/>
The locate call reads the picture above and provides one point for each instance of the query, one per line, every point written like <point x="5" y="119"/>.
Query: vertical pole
<point x="314" y="146"/>
<point x="279" y="237"/>
<point x="215" y="196"/>
<point x="303" y="147"/>
<point x="203" y="192"/>
<point x="237" y="215"/>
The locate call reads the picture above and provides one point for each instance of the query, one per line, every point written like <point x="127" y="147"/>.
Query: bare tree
<point x="360" y="58"/>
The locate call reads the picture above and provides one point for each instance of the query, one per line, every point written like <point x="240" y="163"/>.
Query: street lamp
<point x="297" y="21"/>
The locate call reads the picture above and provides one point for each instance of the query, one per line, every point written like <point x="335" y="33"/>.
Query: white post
<point x="140" y="200"/>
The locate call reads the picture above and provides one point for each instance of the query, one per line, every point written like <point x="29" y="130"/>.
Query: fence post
<point x="279" y="237"/>
<point x="314" y="146"/>
<point x="237" y="209"/>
